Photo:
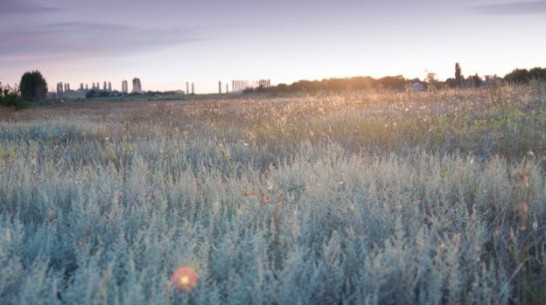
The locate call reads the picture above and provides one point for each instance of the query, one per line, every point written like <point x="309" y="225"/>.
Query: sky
<point x="167" y="43"/>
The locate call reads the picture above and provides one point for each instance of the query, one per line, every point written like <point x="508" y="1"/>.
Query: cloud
<point x="11" y="7"/>
<point x="87" y="39"/>
<point x="512" y="8"/>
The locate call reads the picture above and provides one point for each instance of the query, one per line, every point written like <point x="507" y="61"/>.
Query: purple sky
<point x="167" y="42"/>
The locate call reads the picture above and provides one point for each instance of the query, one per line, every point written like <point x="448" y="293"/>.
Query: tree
<point x="477" y="81"/>
<point x="393" y="82"/>
<point x="458" y="75"/>
<point x="33" y="86"/>
<point x="538" y="73"/>
<point x="518" y="76"/>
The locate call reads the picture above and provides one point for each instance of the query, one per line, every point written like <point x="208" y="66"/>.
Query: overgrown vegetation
<point x="10" y="97"/>
<point x="524" y="76"/>
<point x="353" y="198"/>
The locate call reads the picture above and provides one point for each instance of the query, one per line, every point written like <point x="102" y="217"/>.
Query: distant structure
<point x="264" y="83"/>
<point x="63" y="91"/>
<point x="227" y="88"/>
<point x="241" y="85"/>
<point x="192" y="89"/>
<point x="104" y="87"/>
<point x="124" y="87"/>
<point x="219" y="87"/>
<point x="187" y="88"/>
<point x="137" y="86"/>
<point x="60" y="88"/>
<point x="109" y="87"/>
<point x="417" y="87"/>
<point x="86" y="87"/>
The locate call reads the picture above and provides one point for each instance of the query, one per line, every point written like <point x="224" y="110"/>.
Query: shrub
<point x="10" y="97"/>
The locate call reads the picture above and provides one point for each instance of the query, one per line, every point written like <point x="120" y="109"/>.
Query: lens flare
<point x="184" y="279"/>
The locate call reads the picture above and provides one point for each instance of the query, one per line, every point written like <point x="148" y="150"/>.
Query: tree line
<point x="517" y="76"/>
<point x="33" y="86"/>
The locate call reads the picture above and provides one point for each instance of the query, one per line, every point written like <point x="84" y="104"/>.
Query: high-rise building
<point x="187" y="88"/>
<point x="124" y="87"/>
<point x="219" y="87"/>
<point x="137" y="86"/>
<point x="241" y="85"/>
<point x="192" y="89"/>
<point x="264" y="83"/>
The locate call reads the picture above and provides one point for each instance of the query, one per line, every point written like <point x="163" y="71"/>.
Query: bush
<point x="9" y="97"/>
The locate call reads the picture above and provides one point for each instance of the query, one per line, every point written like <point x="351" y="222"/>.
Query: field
<point x="346" y="198"/>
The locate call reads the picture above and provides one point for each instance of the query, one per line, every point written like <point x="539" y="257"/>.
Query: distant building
<point x="60" y="88"/>
<point x="417" y="87"/>
<point x="78" y="94"/>
<point x="241" y="85"/>
<point x="124" y="87"/>
<point x="64" y="92"/>
<point x="219" y="87"/>
<point x="264" y="83"/>
<point x="137" y="86"/>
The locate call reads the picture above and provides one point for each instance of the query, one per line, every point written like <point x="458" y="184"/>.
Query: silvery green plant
<point x="291" y="200"/>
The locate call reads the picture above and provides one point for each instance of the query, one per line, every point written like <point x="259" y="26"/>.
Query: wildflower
<point x="184" y="279"/>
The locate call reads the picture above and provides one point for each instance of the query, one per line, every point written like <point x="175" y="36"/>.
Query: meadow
<point x="370" y="197"/>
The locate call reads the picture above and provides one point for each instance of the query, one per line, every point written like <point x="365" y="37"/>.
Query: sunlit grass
<point x="354" y="198"/>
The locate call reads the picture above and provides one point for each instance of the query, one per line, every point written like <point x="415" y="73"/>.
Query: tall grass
<point x="357" y="198"/>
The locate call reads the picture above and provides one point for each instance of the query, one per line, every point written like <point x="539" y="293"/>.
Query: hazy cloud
<point x="89" y="39"/>
<point x="512" y="8"/>
<point x="9" y="7"/>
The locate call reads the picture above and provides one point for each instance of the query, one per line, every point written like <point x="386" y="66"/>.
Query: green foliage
<point x="353" y="198"/>
<point x="477" y="81"/>
<point x="33" y="86"/>
<point x="9" y="97"/>
<point x="338" y="85"/>
<point x="523" y="76"/>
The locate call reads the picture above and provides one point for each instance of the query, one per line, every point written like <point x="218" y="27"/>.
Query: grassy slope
<point x="380" y="198"/>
